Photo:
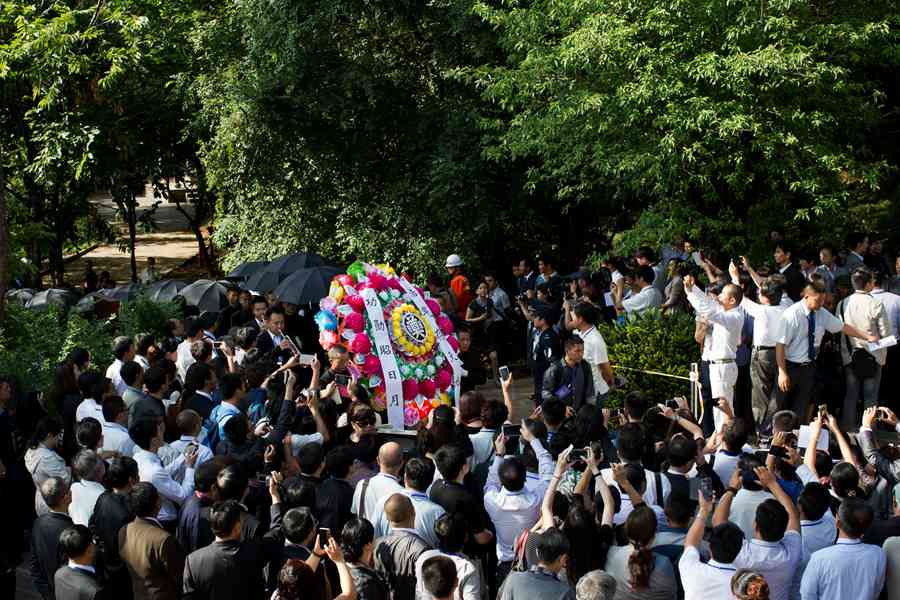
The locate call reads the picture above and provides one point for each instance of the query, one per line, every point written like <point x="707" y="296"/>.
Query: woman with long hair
<point x="640" y="573"/>
<point x="42" y="459"/>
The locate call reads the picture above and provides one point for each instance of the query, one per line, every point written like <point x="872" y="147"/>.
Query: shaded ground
<point x="173" y="244"/>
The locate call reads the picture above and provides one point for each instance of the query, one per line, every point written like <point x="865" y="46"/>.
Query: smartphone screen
<point x="343" y="380"/>
<point x="706" y="488"/>
<point x="306" y="359"/>
<point x="504" y="373"/>
<point x="673" y="404"/>
<point x="324" y="534"/>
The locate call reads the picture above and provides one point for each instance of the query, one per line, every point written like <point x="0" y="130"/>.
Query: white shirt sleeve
<point x="170" y="489"/>
<point x="829" y="321"/>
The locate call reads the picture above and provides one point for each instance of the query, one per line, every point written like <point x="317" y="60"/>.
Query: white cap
<point x="454" y="261"/>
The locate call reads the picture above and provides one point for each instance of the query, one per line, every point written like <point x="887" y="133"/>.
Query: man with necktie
<point x="804" y="326"/>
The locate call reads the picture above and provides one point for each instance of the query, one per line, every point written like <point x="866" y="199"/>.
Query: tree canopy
<point x="405" y="131"/>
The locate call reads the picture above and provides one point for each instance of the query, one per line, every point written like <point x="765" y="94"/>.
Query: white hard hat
<point x="454" y="261"/>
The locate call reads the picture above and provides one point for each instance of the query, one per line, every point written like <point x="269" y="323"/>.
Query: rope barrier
<point x="682" y="377"/>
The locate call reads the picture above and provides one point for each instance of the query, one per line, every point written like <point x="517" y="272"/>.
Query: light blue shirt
<point x="427" y="513"/>
<point x="816" y="535"/>
<point x="221" y="414"/>
<point x="776" y="561"/>
<point x="203" y="452"/>
<point x="849" y="569"/>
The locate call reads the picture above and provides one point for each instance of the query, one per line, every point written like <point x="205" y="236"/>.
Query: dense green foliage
<point x="405" y="131"/>
<point x="652" y="342"/>
<point x="32" y="343"/>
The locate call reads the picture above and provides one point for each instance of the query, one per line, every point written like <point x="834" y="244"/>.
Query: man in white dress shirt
<point x="417" y="478"/>
<point x="776" y="548"/>
<point x="727" y="320"/>
<point x="804" y="326"/>
<point x="645" y="295"/>
<point x="509" y="503"/>
<point x="369" y="492"/>
<point x="190" y="424"/>
<point x="193" y="333"/>
<point x="890" y="375"/>
<point x="767" y="327"/>
<point x="709" y="580"/>
<point x="90" y="469"/>
<point x="115" y="430"/>
<point x="123" y="350"/>
<point x="148" y="436"/>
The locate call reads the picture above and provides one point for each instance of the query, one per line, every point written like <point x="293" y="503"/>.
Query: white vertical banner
<point x="443" y="344"/>
<point x="381" y="341"/>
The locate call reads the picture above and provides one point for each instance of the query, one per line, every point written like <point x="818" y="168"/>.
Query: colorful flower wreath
<point x="427" y="377"/>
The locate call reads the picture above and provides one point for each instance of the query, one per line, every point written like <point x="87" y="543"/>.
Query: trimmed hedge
<point x="652" y="341"/>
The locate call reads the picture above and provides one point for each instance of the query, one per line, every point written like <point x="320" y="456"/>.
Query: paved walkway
<point x="172" y="244"/>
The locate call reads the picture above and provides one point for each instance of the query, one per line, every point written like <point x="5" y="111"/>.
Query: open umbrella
<point x="128" y="291"/>
<point x="307" y="285"/>
<point x="164" y="290"/>
<point x="97" y="303"/>
<point x="52" y="297"/>
<point x="280" y="269"/>
<point x="245" y="270"/>
<point x="20" y="296"/>
<point x="206" y="295"/>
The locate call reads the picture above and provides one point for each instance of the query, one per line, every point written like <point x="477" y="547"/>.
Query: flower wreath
<point x="427" y="377"/>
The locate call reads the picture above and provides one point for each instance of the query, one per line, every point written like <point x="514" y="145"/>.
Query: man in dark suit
<point x="193" y="520"/>
<point x="796" y="280"/>
<point x="46" y="554"/>
<point x="153" y="556"/>
<point x="228" y="568"/>
<point x="111" y="513"/>
<point x="78" y="579"/>
<point x="273" y="338"/>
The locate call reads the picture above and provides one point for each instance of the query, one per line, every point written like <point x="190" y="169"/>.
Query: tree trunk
<point x="4" y="243"/>
<point x="132" y="233"/>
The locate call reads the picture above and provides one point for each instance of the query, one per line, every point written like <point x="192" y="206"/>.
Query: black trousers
<point x="797" y="398"/>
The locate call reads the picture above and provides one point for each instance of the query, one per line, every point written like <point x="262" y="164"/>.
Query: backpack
<point x="213" y="438"/>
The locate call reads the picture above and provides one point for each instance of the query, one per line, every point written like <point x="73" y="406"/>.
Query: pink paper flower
<point x="411" y="415"/>
<point x="445" y="324"/>
<point x="355" y="321"/>
<point x="394" y="284"/>
<point x="444" y="379"/>
<point x="433" y="306"/>
<point x="454" y="343"/>
<point x="410" y="389"/>
<point x="345" y="280"/>
<point x="356" y="302"/>
<point x="427" y="388"/>
<point x="361" y="344"/>
<point x="377" y="281"/>
<point x="372" y="366"/>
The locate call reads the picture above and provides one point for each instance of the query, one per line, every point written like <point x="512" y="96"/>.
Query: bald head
<point x="400" y="511"/>
<point x="390" y="458"/>
<point x="732" y="295"/>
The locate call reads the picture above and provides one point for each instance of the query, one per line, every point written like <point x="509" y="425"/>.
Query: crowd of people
<point x="221" y="462"/>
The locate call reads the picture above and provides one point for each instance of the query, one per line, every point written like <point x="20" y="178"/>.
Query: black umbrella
<point x="247" y="269"/>
<point x="280" y="269"/>
<point x="307" y="285"/>
<point x="129" y="291"/>
<point x="52" y="297"/>
<point x="206" y="295"/>
<point x="20" y="296"/>
<point x="164" y="290"/>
